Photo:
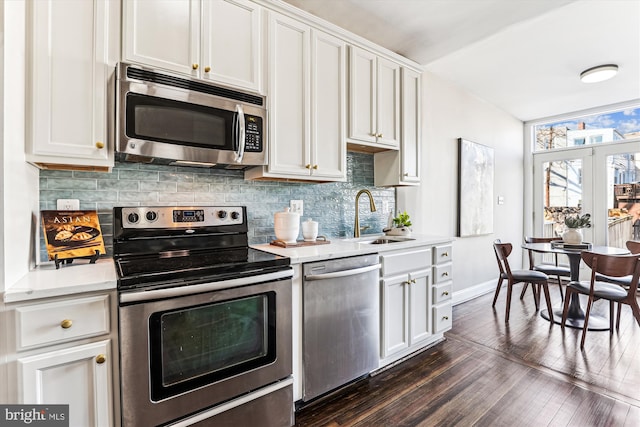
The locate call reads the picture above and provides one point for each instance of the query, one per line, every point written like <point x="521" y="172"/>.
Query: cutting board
<point x="321" y="240"/>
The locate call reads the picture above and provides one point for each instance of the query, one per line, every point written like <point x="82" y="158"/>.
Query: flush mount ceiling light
<point x="599" y="73"/>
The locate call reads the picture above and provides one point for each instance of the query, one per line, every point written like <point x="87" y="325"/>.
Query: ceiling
<point x="524" y="56"/>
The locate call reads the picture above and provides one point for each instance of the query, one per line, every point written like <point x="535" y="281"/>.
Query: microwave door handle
<point x="240" y="135"/>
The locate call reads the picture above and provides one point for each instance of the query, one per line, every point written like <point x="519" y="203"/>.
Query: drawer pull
<point x="445" y="317"/>
<point x="445" y="293"/>
<point x="66" y="324"/>
<point x="444" y="254"/>
<point x="445" y="274"/>
<point x="100" y="359"/>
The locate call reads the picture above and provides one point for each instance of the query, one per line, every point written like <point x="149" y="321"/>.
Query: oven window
<point x="196" y="346"/>
<point x="166" y="120"/>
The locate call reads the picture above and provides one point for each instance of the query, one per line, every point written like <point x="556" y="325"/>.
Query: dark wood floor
<point x="486" y="373"/>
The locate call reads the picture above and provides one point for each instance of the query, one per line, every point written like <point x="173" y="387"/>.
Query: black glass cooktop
<point x="187" y="267"/>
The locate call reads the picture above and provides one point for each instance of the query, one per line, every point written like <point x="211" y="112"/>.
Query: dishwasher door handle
<point x="343" y="273"/>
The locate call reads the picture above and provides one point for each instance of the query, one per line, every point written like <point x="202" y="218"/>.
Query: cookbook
<point x="72" y="234"/>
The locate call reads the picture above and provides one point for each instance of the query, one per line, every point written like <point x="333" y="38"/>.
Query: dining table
<point x="575" y="315"/>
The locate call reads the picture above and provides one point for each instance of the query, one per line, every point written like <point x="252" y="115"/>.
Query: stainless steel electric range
<point x="204" y="320"/>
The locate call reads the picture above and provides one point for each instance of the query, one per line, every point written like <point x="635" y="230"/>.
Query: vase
<point x="572" y="236"/>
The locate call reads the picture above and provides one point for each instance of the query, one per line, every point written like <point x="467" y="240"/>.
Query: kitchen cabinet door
<point x="395" y="315"/>
<point x="328" y="104"/>
<point x="388" y="103"/>
<point x="419" y="323"/>
<point x="362" y="95"/>
<point x="163" y="34"/>
<point x="79" y="376"/>
<point x="289" y="96"/>
<point x="232" y="43"/>
<point x="374" y="101"/>
<point x="73" y="54"/>
<point x="393" y="168"/>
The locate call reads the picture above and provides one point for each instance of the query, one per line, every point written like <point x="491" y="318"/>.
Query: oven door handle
<point x="178" y="291"/>
<point x="342" y="273"/>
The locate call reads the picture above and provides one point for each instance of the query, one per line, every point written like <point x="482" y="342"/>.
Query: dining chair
<point x="538" y="278"/>
<point x="611" y="266"/>
<point x="634" y="248"/>
<point x="550" y="269"/>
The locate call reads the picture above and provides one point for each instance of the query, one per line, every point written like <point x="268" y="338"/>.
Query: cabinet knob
<point x="207" y="69"/>
<point x="99" y="145"/>
<point x="315" y="167"/>
<point x="308" y="166"/>
<point x="445" y="317"/>
<point x="66" y="324"/>
<point x="379" y="135"/>
<point x="444" y="254"/>
<point x="100" y="359"/>
<point x="445" y="274"/>
<point x="194" y="66"/>
<point x="445" y="293"/>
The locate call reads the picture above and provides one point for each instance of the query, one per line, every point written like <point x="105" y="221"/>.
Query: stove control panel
<point x="181" y="216"/>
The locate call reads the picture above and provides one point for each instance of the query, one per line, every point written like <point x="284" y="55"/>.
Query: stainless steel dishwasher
<point x="341" y="322"/>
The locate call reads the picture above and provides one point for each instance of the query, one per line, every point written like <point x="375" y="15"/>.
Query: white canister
<point x="287" y="225"/>
<point x="309" y="230"/>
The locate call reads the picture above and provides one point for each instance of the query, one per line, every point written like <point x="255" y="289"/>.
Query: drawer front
<point x="442" y="317"/>
<point x="42" y="324"/>
<point x="442" y="273"/>
<point x="401" y="262"/>
<point x="441" y="293"/>
<point x="442" y="254"/>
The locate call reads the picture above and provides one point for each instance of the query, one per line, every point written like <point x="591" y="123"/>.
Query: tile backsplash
<point x="136" y="184"/>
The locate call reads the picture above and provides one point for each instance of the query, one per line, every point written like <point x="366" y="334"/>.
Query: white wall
<point x="450" y="113"/>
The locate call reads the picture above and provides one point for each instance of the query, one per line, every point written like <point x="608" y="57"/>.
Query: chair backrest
<point x="613" y="266"/>
<point x="502" y="251"/>
<point x="530" y="239"/>
<point x="633" y="246"/>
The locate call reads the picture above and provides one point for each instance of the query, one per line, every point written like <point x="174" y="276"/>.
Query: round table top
<point x="549" y="248"/>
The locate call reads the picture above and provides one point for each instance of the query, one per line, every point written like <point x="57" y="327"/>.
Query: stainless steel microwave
<point x="169" y="119"/>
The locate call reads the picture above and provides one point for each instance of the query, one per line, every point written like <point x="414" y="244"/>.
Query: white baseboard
<point x="474" y="291"/>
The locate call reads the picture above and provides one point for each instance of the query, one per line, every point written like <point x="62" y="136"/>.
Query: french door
<point x="588" y="178"/>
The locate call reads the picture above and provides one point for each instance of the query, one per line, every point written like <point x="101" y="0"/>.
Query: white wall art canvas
<point x="475" y="189"/>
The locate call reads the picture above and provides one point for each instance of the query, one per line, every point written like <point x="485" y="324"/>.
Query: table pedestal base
<point x="596" y="321"/>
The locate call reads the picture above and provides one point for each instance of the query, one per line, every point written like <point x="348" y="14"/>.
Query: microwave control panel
<point x="253" y="133"/>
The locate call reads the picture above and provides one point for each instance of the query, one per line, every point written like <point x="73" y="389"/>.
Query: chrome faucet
<point x="372" y="206"/>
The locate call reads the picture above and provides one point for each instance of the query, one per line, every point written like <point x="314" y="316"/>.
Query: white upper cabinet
<point x="374" y="100"/>
<point x="394" y="168"/>
<point x="71" y="45"/>
<point x="218" y="40"/>
<point x="306" y="93"/>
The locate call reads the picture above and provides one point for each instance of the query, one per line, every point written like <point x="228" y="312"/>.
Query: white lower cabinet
<point x="406" y="284"/>
<point x="63" y="353"/>
<point x="78" y="376"/>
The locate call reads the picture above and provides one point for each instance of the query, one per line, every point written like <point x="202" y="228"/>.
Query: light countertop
<point x="79" y="277"/>
<point x="340" y="248"/>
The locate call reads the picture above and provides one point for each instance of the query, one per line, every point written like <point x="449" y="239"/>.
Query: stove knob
<point x="222" y="214"/>
<point x="133" y="218"/>
<point x="235" y="215"/>
<point x="151" y="216"/>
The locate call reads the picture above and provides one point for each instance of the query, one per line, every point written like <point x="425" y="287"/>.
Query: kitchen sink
<point x="387" y="240"/>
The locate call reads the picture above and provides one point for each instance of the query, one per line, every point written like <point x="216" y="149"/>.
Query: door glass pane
<point x="562" y="193"/>
<point x="623" y="198"/>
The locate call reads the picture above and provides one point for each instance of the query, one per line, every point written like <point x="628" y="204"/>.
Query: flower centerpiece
<point x="401" y="225"/>
<point x="574" y="226"/>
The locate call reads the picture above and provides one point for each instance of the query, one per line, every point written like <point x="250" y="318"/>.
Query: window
<point x="587" y="130"/>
